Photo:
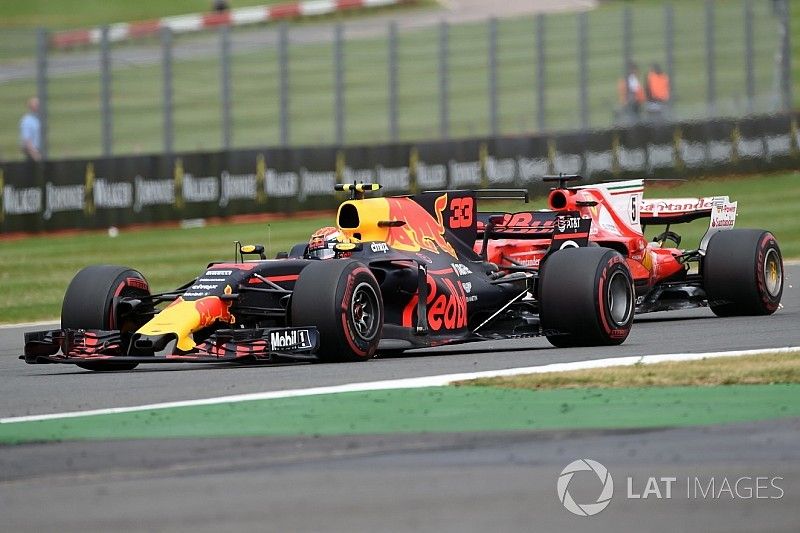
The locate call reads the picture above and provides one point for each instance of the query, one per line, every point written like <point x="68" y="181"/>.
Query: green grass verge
<point x="169" y="257"/>
<point x="749" y="370"/>
<point x="75" y="121"/>
<point x="436" y="409"/>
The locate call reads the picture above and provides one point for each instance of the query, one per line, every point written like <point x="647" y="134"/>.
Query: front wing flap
<point x="240" y="345"/>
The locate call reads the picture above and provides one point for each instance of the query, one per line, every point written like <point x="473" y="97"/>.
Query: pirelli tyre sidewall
<point x="743" y="273"/>
<point x="89" y="303"/>
<point x="342" y="298"/>
<point x="586" y="297"/>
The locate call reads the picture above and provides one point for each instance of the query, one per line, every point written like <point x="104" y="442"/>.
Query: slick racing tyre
<point x="586" y="297"/>
<point x="743" y="273"/>
<point x="89" y="304"/>
<point x="343" y="300"/>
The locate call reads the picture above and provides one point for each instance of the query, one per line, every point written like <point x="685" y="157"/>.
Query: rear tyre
<point x="89" y="304"/>
<point x="343" y="300"/>
<point x="586" y="297"/>
<point x="743" y="273"/>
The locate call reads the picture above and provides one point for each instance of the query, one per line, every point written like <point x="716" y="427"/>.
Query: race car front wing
<point x="227" y="345"/>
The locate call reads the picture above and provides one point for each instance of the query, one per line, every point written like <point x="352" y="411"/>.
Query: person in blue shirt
<point x="30" y="132"/>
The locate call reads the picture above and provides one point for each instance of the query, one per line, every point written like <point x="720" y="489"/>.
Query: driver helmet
<point x="321" y="244"/>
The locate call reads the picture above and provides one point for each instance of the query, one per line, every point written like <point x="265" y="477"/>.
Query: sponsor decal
<point x="112" y="195"/>
<point x="778" y="145"/>
<point x="205" y="189"/>
<point x="446" y="305"/>
<point x="62" y="198"/>
<point x="292" y="339"/>
<point x="568" y="163"/>
<point x="281" y="184"/>
<point x="693" y="154"/>
<point x="431" y="175"/>
<point x="532" y="169"/>
<point x="152" y="192"/>
<point x="379" y="247"/>
<point x="723" y="215"/>
<point x="237" y="187"/>
<point x="599" y="162"/>
<point x="425" y="258"/>
<point x="218" y="272"/>
<point x="420" y="231"/>
<point x="720" y="151"/>
<point x="631" y="158"/>
<point x="21" y="201"/>
<point x="393" y="179"/>
<point x="203" y="287"/>
<point x="676" y="205"/>
<point x="659" y="156"/>
<point x="524" y="222"/>
<point x="563" y="223"/>
<point x="316" y="183"/>
<point x="357" y="175"/>
<point x="501" y="170"/>
<point x="460" y="269"/>
<point x="750" y="147"/>
<point x="467" y="286"/>
<point x="465" y="173"/>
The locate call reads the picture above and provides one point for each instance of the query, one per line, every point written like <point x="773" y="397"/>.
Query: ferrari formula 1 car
<point x="732" y="271"/>
<point x="402" y="274"/>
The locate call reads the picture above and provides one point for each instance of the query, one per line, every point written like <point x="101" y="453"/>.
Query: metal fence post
<point x="105" y="93"/>
<point x="583" y="70"/>
<point x="283" y="89"/>
<point x="627" y="40"/>
<point x="41" y="88"/>
<point x="166" y="66"/>
<point x="338" y="67"/>
<point x="494" y="123"/>
<point x="669" y="45"/>
<point x="225" y="84"/>
<point x="444" y="118"/>
<point x="750" y="80"/>
<point x="541" y="102"/>
<point x="711" y="90"/>
<point x="786" y="54"/>
<point x="392" y="62"/>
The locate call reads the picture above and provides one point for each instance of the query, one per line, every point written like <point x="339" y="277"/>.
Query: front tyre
<point x="89" y="303"/>
<point x="743" y="273"/>
<point x="586" y="297"/>
<point x="341" y="297"/>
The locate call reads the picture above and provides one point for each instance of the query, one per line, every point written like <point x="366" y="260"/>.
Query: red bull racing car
<point x="732" y="271"/>
<point x="399" y="273"/>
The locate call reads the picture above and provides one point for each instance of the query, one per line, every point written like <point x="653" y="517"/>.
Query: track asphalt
<point x="475" y="481"/>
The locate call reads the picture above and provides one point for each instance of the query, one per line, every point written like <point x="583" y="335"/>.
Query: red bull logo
<point x="211" y="309"/>
<point x="420" y="231"/>
<point x="446" y="303"/>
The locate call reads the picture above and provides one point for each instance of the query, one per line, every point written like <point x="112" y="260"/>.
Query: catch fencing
<point x="368" y="81"/>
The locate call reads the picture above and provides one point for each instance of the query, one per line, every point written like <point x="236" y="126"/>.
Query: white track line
<point x="409" y="383"/>
<point x="53" y="323"/>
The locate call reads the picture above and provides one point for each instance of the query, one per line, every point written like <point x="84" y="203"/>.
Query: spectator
<point x="658" y="91"/>
<point x="631" y="94"/>
<point x="30" y="132"/>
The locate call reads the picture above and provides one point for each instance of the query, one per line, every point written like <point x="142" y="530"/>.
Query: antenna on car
<point x="356" y="190"/>
<point x="562" y="179"/>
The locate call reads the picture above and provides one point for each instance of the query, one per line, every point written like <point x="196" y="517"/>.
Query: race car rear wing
<point x="676" y="210"/>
